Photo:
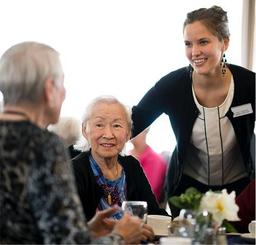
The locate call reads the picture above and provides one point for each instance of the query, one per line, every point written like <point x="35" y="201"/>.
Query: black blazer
<point x="137" y="185"/>
<point x="173" y="96"/>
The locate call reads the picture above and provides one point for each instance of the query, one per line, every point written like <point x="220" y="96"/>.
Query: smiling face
<point x="203" y="49"/>
<point x="107" y="130"/>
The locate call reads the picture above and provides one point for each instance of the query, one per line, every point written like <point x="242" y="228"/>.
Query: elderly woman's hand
<point x="133" y="230"/>
<point x="147" y="233"/>
<point x="101" y="224"/>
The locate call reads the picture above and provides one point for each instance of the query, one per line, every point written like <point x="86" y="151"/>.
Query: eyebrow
<point x="102" y="118"/>
<point x="97" y="117"/>
<point x="202" y="38"/>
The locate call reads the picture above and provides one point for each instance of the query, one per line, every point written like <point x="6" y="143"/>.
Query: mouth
<point x="107" y="145"/>
<point x="199" y="61"/>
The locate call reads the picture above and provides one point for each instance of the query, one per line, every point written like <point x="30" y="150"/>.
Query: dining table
<point x="232" y="239"/>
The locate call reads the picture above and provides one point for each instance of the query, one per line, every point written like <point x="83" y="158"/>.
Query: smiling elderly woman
<point x="105" y="178"/>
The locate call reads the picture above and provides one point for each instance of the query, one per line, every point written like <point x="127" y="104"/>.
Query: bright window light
<point x="113" y="47"/>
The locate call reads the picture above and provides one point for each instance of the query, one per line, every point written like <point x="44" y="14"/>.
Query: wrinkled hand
<point x="133" y="230"/>
<point x="101" y="224"/>
<point x="147" y="233"/>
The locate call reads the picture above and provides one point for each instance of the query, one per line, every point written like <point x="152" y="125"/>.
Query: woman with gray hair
<point x="38" y="198"/>
<point x="104" y="177"/>
<point x="69" y="130"/>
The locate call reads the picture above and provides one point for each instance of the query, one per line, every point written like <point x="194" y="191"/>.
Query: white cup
<point x="175" y="241"/>
<point x="252" y="227"/>
<point x="160" y="224"/>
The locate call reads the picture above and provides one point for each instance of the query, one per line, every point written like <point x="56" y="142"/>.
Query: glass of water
<point x="136" y="208"/>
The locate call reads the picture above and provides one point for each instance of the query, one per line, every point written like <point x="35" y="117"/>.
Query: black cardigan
<point x="138" y="188"/>
<point x="173" y="96"/>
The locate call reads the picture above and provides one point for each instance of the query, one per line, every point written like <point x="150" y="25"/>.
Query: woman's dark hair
<point x="214" y="18"/>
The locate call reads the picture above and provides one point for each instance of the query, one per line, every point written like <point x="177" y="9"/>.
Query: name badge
<point x="242" y="110"/>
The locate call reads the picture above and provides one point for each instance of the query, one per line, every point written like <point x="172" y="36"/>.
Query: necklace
<point x="20" y="113"/>
<point x="114" y="190"/>
<point x="110" y="188"/>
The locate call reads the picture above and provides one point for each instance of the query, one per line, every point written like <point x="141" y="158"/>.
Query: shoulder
<point x="127" y="159"/>
<point x="240" y="72"/>
<point x="129" y="163"/>
<point x="174" y="83"/>
<point x="43" y="136"/>
<point x="81" y="161"/>
<point x="244" y="81"/>
<point x="180" y="73"/>
<point x="84" y="155"/>
<point x="44" y="144"/>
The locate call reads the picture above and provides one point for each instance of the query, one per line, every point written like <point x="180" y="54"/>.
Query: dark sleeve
<point x="138" y="187"/>
<point x="161" y="98"/>
<point x="53" y="197"/>
<point x="88" y="190"/>
<point x="147" y="111"/>
<point x="80" y="181"/>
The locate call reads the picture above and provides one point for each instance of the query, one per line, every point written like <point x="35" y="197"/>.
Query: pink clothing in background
<point x="154" y="167"/>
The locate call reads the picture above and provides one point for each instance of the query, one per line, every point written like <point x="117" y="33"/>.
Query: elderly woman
<point x="104" y="177"/>
<point x="38" y="199"/>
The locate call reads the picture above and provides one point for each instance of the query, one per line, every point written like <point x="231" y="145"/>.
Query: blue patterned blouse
<point x="114" y="190"/>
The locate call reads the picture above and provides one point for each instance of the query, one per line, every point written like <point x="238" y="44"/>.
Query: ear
<point x="84" y="128"/>
<point x="49" y="92"/>
<point x="129" y="135"/>
<point x="226" y="43"/>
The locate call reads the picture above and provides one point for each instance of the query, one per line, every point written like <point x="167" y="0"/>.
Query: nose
<point x="108" y="133"/>
<point x="195" y="50"/>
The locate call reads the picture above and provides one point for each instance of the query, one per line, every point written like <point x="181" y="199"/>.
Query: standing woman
<point x="211" y="107"/>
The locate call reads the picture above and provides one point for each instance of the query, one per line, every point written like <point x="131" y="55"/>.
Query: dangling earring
<point x="223" y="65"/>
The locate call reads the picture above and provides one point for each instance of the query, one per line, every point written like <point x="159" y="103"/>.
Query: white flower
<point x="221" y="205"/>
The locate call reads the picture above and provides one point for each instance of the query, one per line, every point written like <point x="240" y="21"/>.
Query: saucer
<point x="248" y="237"/>
<point x="161" y="234"/>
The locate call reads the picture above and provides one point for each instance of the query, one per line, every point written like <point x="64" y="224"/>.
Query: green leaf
<point x="188" y="200"/>
<point x="229" y="227"/>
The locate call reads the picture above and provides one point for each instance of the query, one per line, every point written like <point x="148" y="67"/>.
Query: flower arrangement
<point x="220" y="205"/>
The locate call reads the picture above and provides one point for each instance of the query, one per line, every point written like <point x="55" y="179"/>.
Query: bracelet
<point x="117" y="239"/>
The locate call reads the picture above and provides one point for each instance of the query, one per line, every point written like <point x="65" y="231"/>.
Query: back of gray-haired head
<point x="24" y="68"/>
<point x="107" y="99"/>
<point x="214" y="18"/>
<point x="68" y="128"/>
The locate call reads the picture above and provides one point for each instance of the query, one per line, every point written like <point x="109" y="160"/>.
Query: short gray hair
<point x="107" y="99"/>
<point x="24" y="68"/>
<point x="68" y="128"/>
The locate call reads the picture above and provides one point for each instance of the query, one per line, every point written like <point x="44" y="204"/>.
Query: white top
<point x="213" y="156"/>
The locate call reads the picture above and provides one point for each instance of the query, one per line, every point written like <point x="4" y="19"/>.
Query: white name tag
<point x="242" y="110"/>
